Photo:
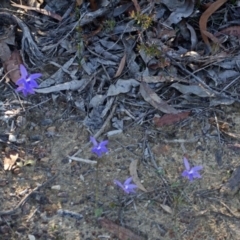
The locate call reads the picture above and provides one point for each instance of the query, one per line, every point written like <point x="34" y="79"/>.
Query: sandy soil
<point x="172" y="207"/>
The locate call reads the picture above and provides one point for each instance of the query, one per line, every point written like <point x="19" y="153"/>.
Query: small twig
<point x="191" y="140"/>
<point x="82" y="160"/>
<point x="212" y="93"/>
<point x="223" y="204"/>
<point x="67" y="213"/>
<point x="152" y="156"/>
<point x="40" y="10"/>
<point x="218" y="129"/>
<point x="23" y="201"/>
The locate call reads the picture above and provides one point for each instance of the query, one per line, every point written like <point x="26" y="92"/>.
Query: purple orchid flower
<point x="126" y="186"/>
<point x="99" y="148"/>
<point x="27" y="82"/>
<point x="191" y="173"/>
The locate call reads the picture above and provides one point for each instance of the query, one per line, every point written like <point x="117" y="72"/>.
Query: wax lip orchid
<point x="191" y="173"/>
<point x="27" y="83"/>
<point x="99" y="148"/>
<point x="127" y="186"/>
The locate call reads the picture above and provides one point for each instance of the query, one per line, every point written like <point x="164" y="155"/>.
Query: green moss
<point x="143" y="20"/>
<point x="151" y="50"/>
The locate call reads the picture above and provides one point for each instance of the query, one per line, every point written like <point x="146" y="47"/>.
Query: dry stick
<point x="40" y="10"/>
<point x="82" y="160"/>
<point x="203" y="84"/>
<point x="23" y="201"/>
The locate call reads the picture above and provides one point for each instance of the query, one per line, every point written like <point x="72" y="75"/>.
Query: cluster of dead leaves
<point x="10" y="59"/>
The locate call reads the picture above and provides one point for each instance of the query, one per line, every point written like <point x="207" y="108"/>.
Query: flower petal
<point x="119" y="184"/>
<point x="97" y="151"/>
<point x="33" y="84"/>
<point x="23" y="71"/>
<point x="185" y="173"/>
<point x="20" y="81"/>
<point x="128" y="181"/>
<point x="94" y="141"/>
<point x="196" y="175"/>
<point x="131" y="186"/>
<point x="190" y="177"/>
<point x="103" y="143"/>
<point x="25" y="92"/>
<point x="35" y="76"/>
<point x="197" y="168"/>
<point x="186" y="163"/>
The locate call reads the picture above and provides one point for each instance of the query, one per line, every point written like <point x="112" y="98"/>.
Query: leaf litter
<point x="119" y="65"/>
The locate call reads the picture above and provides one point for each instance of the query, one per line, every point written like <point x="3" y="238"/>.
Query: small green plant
<point x="109" y="25"/>
<point x="98" y="212"/>
<point x="143" y="20"/>
<point x="151" y="50"/>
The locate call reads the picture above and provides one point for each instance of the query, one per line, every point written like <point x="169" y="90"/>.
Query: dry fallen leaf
<point x="136" y="5"/>
<point x="5" y="52"/>
<point x="151" y="97"/>
<point x="231" y="31"/>
<point x="11" y="66"/>
<point x="133" y="173"/>
<point x="79" y="3"/>
<point x="204" y="18"/>
<point x="122" y="86"/>
<point x="182" y="11"/>
<point x="121" y="232"/>
<point x="121" y="66"/>
<point x="166" y="208"/>
<point x="169" y="119"/>
<point x="192" y="89"/>
<point x="10" y="159"/>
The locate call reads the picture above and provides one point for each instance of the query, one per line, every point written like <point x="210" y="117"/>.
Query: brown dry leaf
<point x="232" y="135"/>
<point x="231" y="31"/>
<point x="121" y="232"/>
<point x="223" y="126"/>
<point x="121" y="66"/>
<point x="136" y="5"/>
<point x="169" y="119"/>
<point x="166" y="208"/>
<point x="214" y="39"/>
<point x="40" y="10"/>
<point x="151" y="97"/>
<point x="161" y="149"/>
<point x="204" y="18"/>
<point x="133" y="173"/>
<point x="11" y="66"/>
<point x="79" y="3"/>
<point x="10" y="159"/>
<point x="5" y="52"/>
<point x="160" y="63"/>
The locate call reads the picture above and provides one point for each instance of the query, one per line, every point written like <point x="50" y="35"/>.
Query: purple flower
<point x="126" y="186"/>
<point x="191" y="173"/>
<point x="99" y="148"/>
<point x="27" y="82"/>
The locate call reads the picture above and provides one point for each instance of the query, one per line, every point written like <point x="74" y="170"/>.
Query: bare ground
<point x="172" y="207"/>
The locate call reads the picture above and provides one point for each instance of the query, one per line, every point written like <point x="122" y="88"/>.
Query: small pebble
<point x="46" y="122"/>
<point x="66" y="213"/>
<point x="56" y="187"/>
<point x="35" y="138"/>
<point x="31" y="237"/>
